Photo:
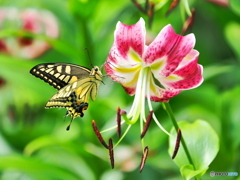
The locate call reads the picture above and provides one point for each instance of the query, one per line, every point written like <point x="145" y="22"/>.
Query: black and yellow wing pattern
<point x="76" y="84"/>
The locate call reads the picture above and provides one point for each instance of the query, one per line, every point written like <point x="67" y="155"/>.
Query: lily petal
<point x="170" y="47"/>
<point x="164" y="95"/>
<point x="159" y="94"/>
<point x="122" y="71"/>
<point x="189" y="74"/>
<point x="130" y="37"/>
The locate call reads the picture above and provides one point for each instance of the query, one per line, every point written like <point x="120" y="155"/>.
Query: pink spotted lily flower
<point x="156" y="72"/>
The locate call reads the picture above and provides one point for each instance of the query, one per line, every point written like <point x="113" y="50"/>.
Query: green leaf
<point x="70" y="161"/>
<point x="202" y="143"/>
<point x="188" y="172"/>
<point x="232" y="35"/>
<point x="77" y="6"/>
<point x="214" y="70"/>
<point x="230" y="118"/>
<point x="235" y="5"/>
<point x="19" y="88"/>
<point x="33" y="168"/>
<point x="59" y="136"/>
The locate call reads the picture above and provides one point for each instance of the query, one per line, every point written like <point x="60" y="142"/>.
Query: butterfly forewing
<point x="59" y="75"/>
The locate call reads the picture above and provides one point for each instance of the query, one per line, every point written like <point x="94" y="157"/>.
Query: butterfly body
<point x="76" y="84"/>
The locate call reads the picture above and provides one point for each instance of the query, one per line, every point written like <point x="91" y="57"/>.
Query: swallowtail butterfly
<point x="76" y="84"/>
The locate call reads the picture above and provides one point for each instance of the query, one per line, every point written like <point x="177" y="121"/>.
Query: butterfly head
<point x="96" y="68"/>
<point x="96" y="73"/>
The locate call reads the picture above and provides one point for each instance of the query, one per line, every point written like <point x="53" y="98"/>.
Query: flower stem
<point x="168" y="108"/>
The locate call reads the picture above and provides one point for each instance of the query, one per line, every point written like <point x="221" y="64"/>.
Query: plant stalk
<point x="171" y="115"/>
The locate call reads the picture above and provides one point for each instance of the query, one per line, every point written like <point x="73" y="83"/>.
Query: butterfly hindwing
<point x="74" y="107"/>
<point x="59" y="75"/>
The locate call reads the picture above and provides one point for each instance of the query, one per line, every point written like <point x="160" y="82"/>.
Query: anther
<point x="179" y="136"/>
<point x="144" y="158"/>
<point x="99" y="136"/>
<point x="146" y="126"/>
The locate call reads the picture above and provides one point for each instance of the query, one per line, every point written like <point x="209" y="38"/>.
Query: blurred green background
<point x="33" y="141"/>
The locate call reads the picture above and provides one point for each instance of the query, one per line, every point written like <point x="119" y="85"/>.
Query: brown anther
<point x="111" y="155"/>
<point x="139" y="6"/>
<point x="188" y="23"/>
<point x="146" y="126"/>
<point x="99" y="136"/>
<point x="144" y="158"/>
<point x="151" y="14"/>
<point x="119" y="122"/>
<point x="148" y="10"/>
<point x="177" y="144"/>
<point x="172" y="6"/>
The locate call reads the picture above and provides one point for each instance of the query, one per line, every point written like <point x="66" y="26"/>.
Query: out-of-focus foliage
<point x="202" y="152"/>
<point x="33" y="141"/>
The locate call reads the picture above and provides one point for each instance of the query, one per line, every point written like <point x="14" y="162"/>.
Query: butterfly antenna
<point x="68" y="127"/>
<point x="89" y="56"/>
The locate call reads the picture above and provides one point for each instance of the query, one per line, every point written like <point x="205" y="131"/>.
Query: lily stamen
<point x="111" y="154"/>
<point x="177" y="145"/>
<point x="146" y="126"/>
<point x="144" y="158"/>
<point x="98" y="134"/>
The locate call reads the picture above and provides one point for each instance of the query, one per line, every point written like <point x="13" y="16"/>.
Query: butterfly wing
<point x="74" y="97"/>
<point x="59" y="75"/>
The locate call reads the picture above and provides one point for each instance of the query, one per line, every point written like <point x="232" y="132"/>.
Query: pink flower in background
<point x="157" y="72"/>
<point x="30" y="20"/>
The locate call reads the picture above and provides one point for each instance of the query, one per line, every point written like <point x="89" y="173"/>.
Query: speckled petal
<point x="169" y="47"/>
<point x="160" y="94"/>
<point x="187" y="76"/>
<point x="165" y="95"/>
<point x="130" y="37"/>
<point x="190" y="80"/>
